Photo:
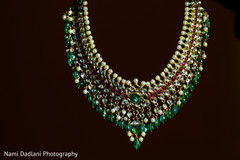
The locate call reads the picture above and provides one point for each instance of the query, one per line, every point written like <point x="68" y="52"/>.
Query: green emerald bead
<point x="187" y="93"/>
<point x="69" y="62"/>
<point x="104" y="114"/>
<point x="135" y="98"/>
<point x="142" y="128"/>
<point x="191" y="87"/>
<point x="195" y="80"/>
<point x="198" y="74"/>
<point x="67" y="43"/>
<point x="208" y="23"/>
<point x="115" y="121"/>
<point x="156" y="123"/>
<point x="169" y="114"/>
<point x="121" y="124"/>
<point x="93" y="103"/>
<point x="89" y="98"/>
<point x="135" y="130"/>
<point x="162" y="119"/>
<point x="175" y="109"/>
<point x="136" y="144"/>
<point x="183" y="99"/>
<point x="128" y="127"/>
<point x="99" y="109"/>
<point x="150" y="127"/>
<point x="70" y="54"/>
<point x="80" y="85"/>
<point x="111" y="117"/>
<point x="75" y="74"/>
<point x="66" y="30"/>
<point x="66" y="38"/>
<point x="67" y="24"/>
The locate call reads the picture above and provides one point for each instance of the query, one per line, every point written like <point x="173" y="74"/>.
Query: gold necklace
<point x="136" y="106"/>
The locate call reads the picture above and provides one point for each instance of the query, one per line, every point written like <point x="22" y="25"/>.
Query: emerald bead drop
<point x="169" y="114"/>
<point x="128" y="127"/>
<point x="162" y="119"/>
<point x="121" y="124"/>
<point x="136" y="144"/>
<point x="150" y="127"/>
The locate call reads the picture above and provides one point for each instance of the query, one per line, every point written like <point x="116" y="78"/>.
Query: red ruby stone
<point x="173" y="78"/>
<point x="169" y="83"/>
<point x="177" y="74"/>
<point x="152" y="95"/>
<point x="164" y="88"/>
<point x="188" y="52"/>
<point x="184" y="63"/>
<point x="159" y="91"/>
<point x="186" y="58"/>
<point x="181" y="69"/>
<point x="195" y="25"/>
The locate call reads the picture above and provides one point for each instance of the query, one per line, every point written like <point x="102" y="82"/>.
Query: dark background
<point x="42" y="109"/>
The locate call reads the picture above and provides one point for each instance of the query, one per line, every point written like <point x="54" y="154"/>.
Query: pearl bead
<point x="64" y="17"/>
<point x="85" y="8"/>
<point x="110" y="71"/>
<point x="125" y="118"/>
<point x="113" y="110"/>
<point x="85" y="13"/>
<point x="106" y="67"/>
<point x="78" y="68"/>
<point x="204" y="56"/>
<point x="153" y="81"/>
<point x="135" y="80"/>
<point x="85" y="3"/>
<point x="141" y="139"/>
<point x="129" y="134"/>
<point x="179" y="102"/>
<point x="181" y="92"/>
<point x="131" y="139"/>
<point x="70" y="13"/>
<point x="89" y="32"/>
<point x="118" y="117"/>
<point x="88" y="27"/>
<point x="98" y="55"/>
<point x="153" y="120"/>
<point x="145" y="120"/>
<point x="94" y="50"/>
<point x="103" y="63"/>
<point x="128" y="82"/>
<point x="123" y="81"/>
<point x="85" y="91"/>
<point x="119" y="79"/>
<point x="157" y="78"/>
<point x="143" y="134"/>
<point x="187" y="4"/>
<point x="205" y="44"/>
<point x="76" y="80"/>
<point x="115" y="75"/>
<point x="160" y="112"/>
<point x="87" y="22"/>
<point x="163" y="74"/>
<point x="148" y="84"/>
<point x="143" y="83"/>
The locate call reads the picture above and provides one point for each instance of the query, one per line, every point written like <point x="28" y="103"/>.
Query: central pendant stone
<point x="135" y="98"/>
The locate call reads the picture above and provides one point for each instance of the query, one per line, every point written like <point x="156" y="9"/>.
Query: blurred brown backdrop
<point x="42" y="109"/>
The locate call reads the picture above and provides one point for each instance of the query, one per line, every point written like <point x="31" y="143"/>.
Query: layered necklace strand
<point x="138" y="107"/>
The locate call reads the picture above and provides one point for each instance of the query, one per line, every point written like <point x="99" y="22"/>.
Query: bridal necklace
<point x="138" y="107"/>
